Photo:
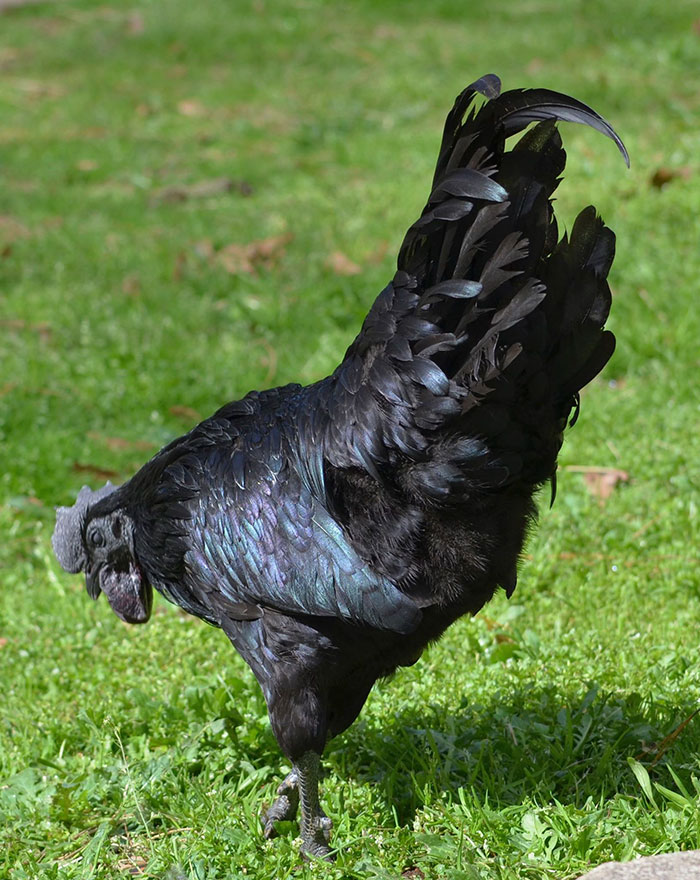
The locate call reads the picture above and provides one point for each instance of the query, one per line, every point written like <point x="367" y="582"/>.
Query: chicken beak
<point x="92" y="582"/>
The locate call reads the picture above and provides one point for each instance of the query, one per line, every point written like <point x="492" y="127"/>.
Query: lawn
<point x="202" y="198"/>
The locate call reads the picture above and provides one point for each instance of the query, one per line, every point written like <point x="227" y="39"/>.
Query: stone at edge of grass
<point x="670" y="866"/>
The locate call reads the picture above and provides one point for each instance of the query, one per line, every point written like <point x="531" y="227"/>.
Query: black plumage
<point x="333" y="530"/>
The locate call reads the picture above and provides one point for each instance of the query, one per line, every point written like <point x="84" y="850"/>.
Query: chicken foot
<point x="284" y="807"/>
<point x="301" y="786"/>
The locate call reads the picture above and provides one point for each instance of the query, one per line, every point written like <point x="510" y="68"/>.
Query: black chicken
<point x="333" y="530"/>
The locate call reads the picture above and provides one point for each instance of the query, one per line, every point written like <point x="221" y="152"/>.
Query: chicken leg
<point x="314" y="825"/>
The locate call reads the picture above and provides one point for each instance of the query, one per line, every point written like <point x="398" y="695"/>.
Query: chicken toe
<point x="284" y="807"/>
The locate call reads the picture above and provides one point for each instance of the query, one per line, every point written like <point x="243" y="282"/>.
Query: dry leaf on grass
<point x="180" y="265"/>
<point x="659" y="749"/>
<point x="15" y="4"/>
<point x="601" y="485"/>
<point x="268" y="360"/>
<point x="663" y="176"/>
<point x="205" y="249"/>
<point x="44" y="330"/>
<point x="203" y="189"/>
<point x="185" y="412"/>
<point x="131" y="285"/>
<point x="133" y="865"/>
<point x="36" y="90"/>
<point x="235" y="258"/>
<point x="341" y="264"/>
<point x="94" y="469"/>
<point x="245" y="259"/>
<point x="120" y="443"/>
<point x="8" y="55"/>
<point x="11" y="229"/>
<point x="600" y="481"/>
<point x="135" y="24"/>
<point x="191" y="108"/>
<point x="377" y="255"/>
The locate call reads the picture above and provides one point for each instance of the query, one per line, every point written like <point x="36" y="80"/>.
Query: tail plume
<point x="492" y="323"/>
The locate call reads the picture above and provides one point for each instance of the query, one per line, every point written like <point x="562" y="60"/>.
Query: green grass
<point x="525" y="744"/>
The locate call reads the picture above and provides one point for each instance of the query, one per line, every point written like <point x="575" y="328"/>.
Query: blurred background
<point x="197" y="199"/>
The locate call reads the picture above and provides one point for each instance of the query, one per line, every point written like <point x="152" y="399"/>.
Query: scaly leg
<point x="314" y="825"/>
<point x="284" y="808"/>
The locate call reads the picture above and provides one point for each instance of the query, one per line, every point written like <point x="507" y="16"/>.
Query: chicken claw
<point x="284" y="807"/>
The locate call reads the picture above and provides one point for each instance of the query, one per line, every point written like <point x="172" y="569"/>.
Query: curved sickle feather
<point x="519" y="107"/>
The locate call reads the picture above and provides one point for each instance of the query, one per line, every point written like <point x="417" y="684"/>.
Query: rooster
<point x="333" y="530"/>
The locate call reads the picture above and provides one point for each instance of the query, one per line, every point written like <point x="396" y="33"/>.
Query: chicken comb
<point x="67" y="538"/>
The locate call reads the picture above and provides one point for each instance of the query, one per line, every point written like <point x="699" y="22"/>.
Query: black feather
<point x="467" y="183"/>
<point x="518" y="108"/>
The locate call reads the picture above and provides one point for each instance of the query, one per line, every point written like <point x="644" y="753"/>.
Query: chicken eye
<point x="96" y="538"/>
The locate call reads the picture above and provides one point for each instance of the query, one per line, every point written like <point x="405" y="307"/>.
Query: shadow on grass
<point x="533" y="744"/>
